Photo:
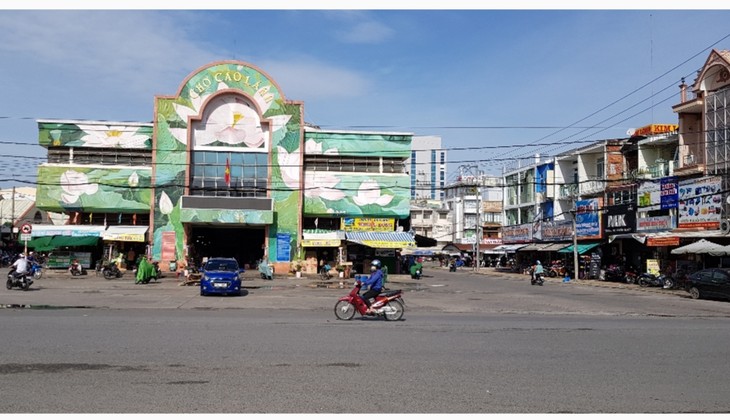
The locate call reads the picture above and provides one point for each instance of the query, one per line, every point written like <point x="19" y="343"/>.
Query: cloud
<point x="130" y="51"/>
<point x="368" y="32"/>
<point x="305" y="77"/>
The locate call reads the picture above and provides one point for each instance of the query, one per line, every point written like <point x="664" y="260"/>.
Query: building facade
<point x="427" y="167"/>
<point x="227" y="168"/>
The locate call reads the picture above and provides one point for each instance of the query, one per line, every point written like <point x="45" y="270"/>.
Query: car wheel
<point x="694" y="293"/>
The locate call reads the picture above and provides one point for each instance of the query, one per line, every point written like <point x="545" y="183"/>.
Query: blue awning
<point x="392" y="240"/>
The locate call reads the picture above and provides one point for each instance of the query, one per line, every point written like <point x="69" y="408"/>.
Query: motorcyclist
<point x="20" y="266"/>
<point x="374" y="282"/>
<point x="538" y="271"/>
<point x="74" y="266"/>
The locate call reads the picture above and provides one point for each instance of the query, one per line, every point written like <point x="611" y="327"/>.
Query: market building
<point x="228" y="167"/>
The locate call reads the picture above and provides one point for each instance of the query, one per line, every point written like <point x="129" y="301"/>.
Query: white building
<point x="427" y="167"/>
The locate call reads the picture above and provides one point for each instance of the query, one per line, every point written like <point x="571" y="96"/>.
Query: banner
<point x="557" y="231"/>
<point x="663" y="241"/>
<point x="283" y="247"/>
<point x="669" y="195"/>
<point x="654" y="224"/>
<point x="700" y="203"/>
<point x="361" y="224"/>
<point x="517" y="234"/>
<point x="648" y="196"/>
<point x="588" y="218"/>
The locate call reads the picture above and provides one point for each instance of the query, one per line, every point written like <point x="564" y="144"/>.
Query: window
<point x="248" y="177"/>
<point x="600" y="168"/>
<point x="100" y="156"/>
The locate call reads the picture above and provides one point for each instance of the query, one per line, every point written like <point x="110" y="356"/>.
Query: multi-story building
<point x="427" y="167"/>
<point x="431" y="219"/>
<point x="228" y="167"/>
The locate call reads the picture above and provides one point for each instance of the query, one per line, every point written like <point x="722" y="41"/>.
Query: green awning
<point x="59" y="241"/>
<point x="582" y="248"/>
<point x="41" y="243"/>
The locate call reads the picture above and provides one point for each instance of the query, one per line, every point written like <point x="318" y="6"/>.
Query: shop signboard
<point x="669" y="195"/>
<point x="663" y="241"/>
<point x="652" y="267"/>
<point x="588" y="218"/>
<point x="312" y="243"/>
<point x="517" y="234"/>
<point x="62" y="259"/>
<point x="700" y="203"/>
<point x="648" y="196"/>
<point x="557" y="231"/>
<point x="283" y="247"/>
<point x="367" y="224"/>
<point x="654" y="224"/>
<point x="168" y="246"/>
<point x="620" y="219"/>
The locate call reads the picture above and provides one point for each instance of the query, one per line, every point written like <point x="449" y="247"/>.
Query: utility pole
<point x="575" y="242"/>
<point x="12" y="216"/>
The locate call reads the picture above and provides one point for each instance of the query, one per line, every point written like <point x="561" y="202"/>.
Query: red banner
<point x="667" y="241"/>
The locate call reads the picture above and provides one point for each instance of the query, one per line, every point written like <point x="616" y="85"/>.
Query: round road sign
<point x="26" y="228"/>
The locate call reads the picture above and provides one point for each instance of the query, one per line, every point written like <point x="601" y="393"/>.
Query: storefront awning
<point x="67" y="230"/>
<point x="125" y="233"/>
<point x="41" y="243"/>
<point x="389" y="240"/>
<point x="509" y="248"/>
<point x="59" y="241"/>
<point x="534" y="247"/>
<point x="555" y="247"/>
<point x="582" y="248"/>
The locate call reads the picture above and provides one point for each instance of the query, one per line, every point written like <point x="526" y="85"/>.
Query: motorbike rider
<point x="538" y="270"/>
<point x="374" y="282"/>
<point x="74" y="266"/>
<point x="20" y="266"/>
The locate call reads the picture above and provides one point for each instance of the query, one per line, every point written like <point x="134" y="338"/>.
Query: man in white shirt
<point x="21" y="265"/>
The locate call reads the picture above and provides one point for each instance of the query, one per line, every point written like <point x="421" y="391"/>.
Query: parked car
<point x="221" y="276"/>
<point x="710" y="282"/>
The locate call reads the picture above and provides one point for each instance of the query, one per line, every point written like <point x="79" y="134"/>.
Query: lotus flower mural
<point x="74" y="184"/>
<point x="112" y="137"/>
<point x="369" y="193"/>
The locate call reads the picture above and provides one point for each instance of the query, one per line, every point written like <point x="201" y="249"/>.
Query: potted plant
<point x="296" y="268"/>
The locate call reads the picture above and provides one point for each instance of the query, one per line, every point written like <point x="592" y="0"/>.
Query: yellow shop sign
<point x="366" y="224"/>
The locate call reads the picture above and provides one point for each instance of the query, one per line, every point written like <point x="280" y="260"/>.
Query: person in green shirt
<point x="145" y="271"/>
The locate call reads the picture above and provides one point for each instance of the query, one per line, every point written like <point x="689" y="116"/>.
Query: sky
<point x="495" y="85"/>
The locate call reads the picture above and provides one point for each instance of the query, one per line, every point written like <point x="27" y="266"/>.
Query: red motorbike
<point x="388" y="304"/>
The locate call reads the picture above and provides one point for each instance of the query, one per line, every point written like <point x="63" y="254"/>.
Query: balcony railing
<point x="592" y="186"/>
<point x="568" y="191"/>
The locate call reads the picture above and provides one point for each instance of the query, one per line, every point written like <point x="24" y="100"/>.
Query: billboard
<point x="588" y="218"/>
<point x="700" y="203"/>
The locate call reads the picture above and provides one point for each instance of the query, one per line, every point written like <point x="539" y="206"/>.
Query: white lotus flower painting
<point x="369" y="193"/>
<point x="289" y="164"/>
<point x="321" y="185"/>
<point x="112" y="137"/>
<point x="230" y="121"/>
<point x="74" y="184"/>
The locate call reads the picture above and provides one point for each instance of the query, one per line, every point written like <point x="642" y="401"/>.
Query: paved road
<point x="439" y="291"/>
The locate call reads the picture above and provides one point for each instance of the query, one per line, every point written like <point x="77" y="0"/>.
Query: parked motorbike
<point x="389" y="305"/>
<point x="614" y="273"/>
<point x="20" y="281"/>
<point x="111" y="271"/>
<point x="675" y="280"/>
<point x="648" y="279"/>
<point x="76" y="269"/>
<point x="630" y="275"/>
<point x="266" y="271"/>
<point x="158" y="271"/>
<point x="557" y="269"/>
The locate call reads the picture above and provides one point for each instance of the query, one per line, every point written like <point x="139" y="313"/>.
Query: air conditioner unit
<point x="725" y="226"/>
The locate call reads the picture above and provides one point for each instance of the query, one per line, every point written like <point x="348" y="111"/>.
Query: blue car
<point x="221" y="277"/>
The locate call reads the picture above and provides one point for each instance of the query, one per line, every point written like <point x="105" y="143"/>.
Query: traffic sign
<point x="26" y="228"/>
<point x="25" y="237"/>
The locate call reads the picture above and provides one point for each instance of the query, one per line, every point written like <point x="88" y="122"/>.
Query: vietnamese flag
<point x="227" y="173"/>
